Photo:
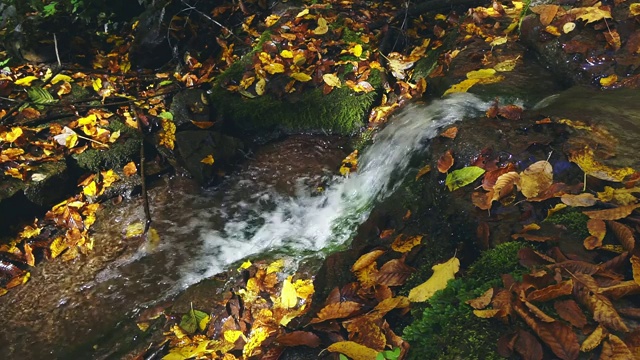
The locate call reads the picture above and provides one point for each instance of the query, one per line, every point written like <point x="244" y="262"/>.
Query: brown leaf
<point x="297" y="338"/>
<point x="450" y="133"/>
<point x="364" y="331"/>
<point x="389" y="304"/>
<point x="600" y="306"/>
<point x="569" y="311"/>
<point x="483" y="233"/>
<point x="620" y="290"/>
<point x="491" y="177"/>
<point x="503" y="302"/>
<point x="445" y="162"/>
<point x="541" y="315"/>
<point x="597" y="228"/>
<point x="623" y="234"/>
<point x="551" y="292"/>
<point x="482" y="199"/>
<point x="592" y="242"/>
<point x="504" y="185"/>
<point x="635" y="268"/>
<point x="559" y="337"/>
<point x="615" y="349"/>
<point x="546" y="12"/>
<point x="482" y="301"/>
<point x="535" y="179"/>
<point x="613" y="38"/>
<point x="337" y="311"/>
<point x="510" y="112"/>
<point x="423" y="171"/>
<point x="580" y="200"/>
<point x="633" y="313"/>
<point x="612" y="214"/>
<point x="394" y="273"/>
<point x="366" y="260"/>
<point x="594" y="339"/>
<point x="528" y="346"/>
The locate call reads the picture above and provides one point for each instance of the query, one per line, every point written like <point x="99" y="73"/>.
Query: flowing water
<point x="259" y="209"/>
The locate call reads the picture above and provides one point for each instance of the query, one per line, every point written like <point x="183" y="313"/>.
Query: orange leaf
<point x="635" y="267"/>
<point x="423" y="171"/>
<point x="365" y="332"/>
<point x="569" y="311"/>
<point x="445" y="162"/>
<point x="450" y="133"/>
<point x="551" y="292"/>
<point x="130" y="169"/>
<point x="615" y="349"/>
<point x="394" y="273"/>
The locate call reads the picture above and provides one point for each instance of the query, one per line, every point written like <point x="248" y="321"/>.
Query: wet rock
<point x="122" y="151"/>
<point x="151" y="47"/>
<point x="193" y="146"/>
<point x="190" y="105"/>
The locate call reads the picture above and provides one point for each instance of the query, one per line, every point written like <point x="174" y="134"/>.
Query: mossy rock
<point x="122" y="151"/>
<point x="573" y="219"/>
<point x="447" y="328"/>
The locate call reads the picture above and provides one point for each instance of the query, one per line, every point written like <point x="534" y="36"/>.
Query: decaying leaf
<point x="594" y="339"/>
<point x="442" y="273"/>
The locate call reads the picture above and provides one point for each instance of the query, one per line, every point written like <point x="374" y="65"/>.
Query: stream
<point x="270" y="205"/>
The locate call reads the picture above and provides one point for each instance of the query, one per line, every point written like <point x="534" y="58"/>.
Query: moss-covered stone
<point x="118" y="154"/>
<point x="447" y="327"/>
<point x="573" y="219"/>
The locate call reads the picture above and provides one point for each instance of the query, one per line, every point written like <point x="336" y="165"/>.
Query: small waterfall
<point x="306" y="224"/>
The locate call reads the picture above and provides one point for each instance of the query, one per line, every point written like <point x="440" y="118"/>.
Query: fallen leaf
<point x="580" y="200"/>
<point x="208" y="160"/>
<point x="463" y="177"/>
<point x="442" y="273"/>
<point x="445" y="162"/>
<point x="297" y="338"/>
<point x="535" y="179"/>
<point x="322" y="28"/>
<point x="353" y="350"/>
<point x="624" y="235"/>
<point x="423" y="171"/>
<point x="482" y="301"/>
<point x="404" y="244"/>
<point x="130" y="169"/>
<point x="612" y="214"/>
<point x="584" y="158"/>
<point x="594" y="339"/>
<point x="570" y="311"/>
<point x="337" y="310"/>
<point x="366" y="260"/>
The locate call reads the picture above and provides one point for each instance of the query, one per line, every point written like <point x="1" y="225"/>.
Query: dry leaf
<point x="535" y="179"/>
<point x="442" y="273"/>
<point x="612" y="214"/>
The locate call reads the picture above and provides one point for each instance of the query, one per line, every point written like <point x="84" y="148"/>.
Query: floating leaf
<point x="442" y="273"/>
<point x="463" y="177"/>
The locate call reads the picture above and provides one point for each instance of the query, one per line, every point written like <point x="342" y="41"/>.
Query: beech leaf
<point x="463" y="177"/>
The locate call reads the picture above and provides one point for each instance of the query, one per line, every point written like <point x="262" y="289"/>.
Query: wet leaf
<point x="288" y="295"/>
<point x="366" y="260"/>
<point x="584" y="158"/>
<point x="463" y="177"/>
<point x="353" y="350"/>
<point x="423" y="171"/>
<point x="194" y="320"/>
<point x="483" y="301"/>
<point x="445" y="162"/>
<point x="592" y="13"/>
<point x="404" y="244"/>
<point x="256" y="338"/>
<point x="130" y="169"/>
<point x="393" y="273"/>
<point x="442" y="273"/>
<point x="462" y="86"/>
<point x="26" y="81"/>
<point x="208" y="160"/>
<point x="546" y="12"/>
<point x="450" y="133"/>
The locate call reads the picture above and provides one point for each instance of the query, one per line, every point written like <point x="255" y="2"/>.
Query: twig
<point x="190" y="7"/>
<point x="145" y="197"/>
<point x="55" y="44"/>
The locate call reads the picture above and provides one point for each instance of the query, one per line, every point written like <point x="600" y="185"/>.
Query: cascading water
<point x="308" y="224"/>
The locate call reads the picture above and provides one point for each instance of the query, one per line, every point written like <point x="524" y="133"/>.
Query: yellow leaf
<point x="274" y="68"/>
<point x="584" y="158"/>
<point x="634" y="9"/>
<point x="593" y="13"/>
<point x="12" y="135"/>
<point x="442" y="273"/>
<point x="304" y="288"/>
<point x="322" y="27"/>
<point x="275" y="266"/>
<point x="481" y="74"/>
<point x="26" y="81"/>
<point x="332" y="80"/>
<point x="568" y="27"/>
<point x="552" y="30"/>
<point x="353" y="350"/>
<point x="507" y="65"/>
<point x="404" y="244"/>
<point x="207" y="160"/>
<point x="97" y="84"/>
<point x="232" y="336"/>
<point x="462" y="86"/>
<point x="257" y="336"/>
<point x="109" y="177"/>
<point x="261" y="86"/>
<point x="114" y="136"/>
<point x="271" y="20"/>
<point x="90" y="120"/>
<point x="303" y="13"/>
<point x="287" y="54"/>
<point x="288" y="295"/>
<point x="134" y="229"/>
<point x="91" y="189"/>
<point x="301" y="77"/>
<point x="609" y="80"/>
<point x="57" y="246"/>
<point x="130" y="169"/>
<point x="245" y="265"/>
<point x="60" y="77"/>
<point x="499" y="41"/>
<point x="535" y="179"/>
<point x="356" y="50"/>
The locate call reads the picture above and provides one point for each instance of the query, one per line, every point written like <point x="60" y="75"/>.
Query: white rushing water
<point x="306" y="223"/>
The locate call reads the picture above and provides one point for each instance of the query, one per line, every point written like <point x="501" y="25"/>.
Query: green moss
<point x="122" y="151"/>
<point x="341" y="111"/>
<point x="573" y="219"/>
<point x="447" y="328"/>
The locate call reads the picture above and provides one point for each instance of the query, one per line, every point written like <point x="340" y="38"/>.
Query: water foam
<point x="306" y="223"/>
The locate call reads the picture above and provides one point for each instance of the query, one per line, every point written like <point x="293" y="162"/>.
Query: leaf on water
<point x="450" y="133"/>
<point x="506" y="65"/>
<point x="463" y="177"/>
<point x="442" y="273"/>
<point x="353" y="350"/>
<point x="608" y="80"/>
<point x="134" y="229"/>
<point x="445" y="162"/>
